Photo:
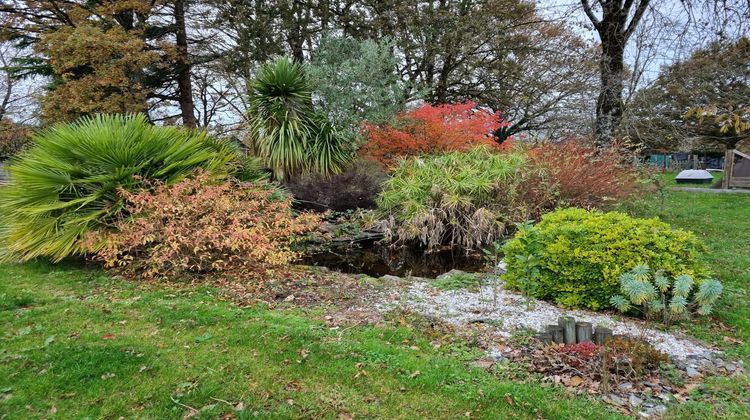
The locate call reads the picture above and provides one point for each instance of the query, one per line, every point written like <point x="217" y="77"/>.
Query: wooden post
<point x="568" y="324"/>
<point x="544" y="337"/>
<point x="726" y="179"/>
<point x="584" y="331"/>
<point x="557" y="333"/>
<point x="695" y="161"/>
<point x="602" y="335"/>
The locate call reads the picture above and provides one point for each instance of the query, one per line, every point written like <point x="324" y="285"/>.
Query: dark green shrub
<point x="357" y="186"/>
<point x="67" y="183"/>
<point x="579" y="255"/>
<point x="466" y="199"/>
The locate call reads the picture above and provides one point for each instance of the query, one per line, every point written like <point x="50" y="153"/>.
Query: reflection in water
<point x="378" y="260"/>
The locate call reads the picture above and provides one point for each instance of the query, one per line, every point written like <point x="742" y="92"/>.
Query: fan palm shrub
<point x="69" y="182"/>
<point x="285" y="129"/>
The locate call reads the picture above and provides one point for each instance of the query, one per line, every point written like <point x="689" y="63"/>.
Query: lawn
<point x="722" y="222"/>
<point x="668" y="177"/>
<point x="76" y="343"/>
<point x="79" y="344"/>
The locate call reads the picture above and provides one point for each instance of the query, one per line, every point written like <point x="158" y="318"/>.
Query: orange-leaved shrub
<point x="573" y="173"/>
<point x="432" y="129"/>
<point x="193" y="228"/>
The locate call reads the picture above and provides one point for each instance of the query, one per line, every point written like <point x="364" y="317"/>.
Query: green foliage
<point x="251" y="169"/>
<point x="285" y="130"/>
<point x="356" y="80"/>
<point x="459" y="198"/>
<point x="458" y="281"/>
<point x="582" y="255"/>
<point x="660" y="298"/>
<point x="67" y="183"/>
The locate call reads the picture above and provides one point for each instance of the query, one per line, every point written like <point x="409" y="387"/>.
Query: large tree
<point x="615" y="21"/>
<point x="714" y="82"/>
<point x="711" y="87"/>
<point x="106" y="55"/>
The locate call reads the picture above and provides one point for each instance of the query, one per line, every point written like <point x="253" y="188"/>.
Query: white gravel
<point x="510" y="311"/>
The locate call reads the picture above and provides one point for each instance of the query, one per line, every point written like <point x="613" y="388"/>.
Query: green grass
<point x="75" y="343"/>
<point x="79" y="344"/>
<point x="668" y="178"/>
<point x="722" y="222"/>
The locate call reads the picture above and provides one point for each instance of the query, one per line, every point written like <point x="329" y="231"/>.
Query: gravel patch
<point x="509" y="311"/>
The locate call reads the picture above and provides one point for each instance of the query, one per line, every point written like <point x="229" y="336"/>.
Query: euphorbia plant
<point x="665" y="298"/>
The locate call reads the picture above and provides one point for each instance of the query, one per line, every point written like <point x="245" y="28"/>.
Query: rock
<point x="692" y="372"/>
<point x="730" y="367"/>
<point x="616" y="399"/>
<point x="656" y="411"/>
<point x="390" y="279"/>
<point x="449" y="274"/>
<point x="634" y="401"/>
<point x="289" y="298"/>
<point x="625" y="386"/>
<point x="501" y="268"/>
<point x="328" y="227"/>
<point x="665" y="396"/>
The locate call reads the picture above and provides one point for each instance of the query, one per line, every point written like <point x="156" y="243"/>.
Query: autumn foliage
<point x="193" y="228"/>
<point x="431" y="129"/>
<point x="573" y="173"/>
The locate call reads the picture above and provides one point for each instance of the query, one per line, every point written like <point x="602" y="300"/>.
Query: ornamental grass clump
<point x="69" y="182"/>
<point x="579" y="255"/>
<point x="196" y="227"/>
<point x="465" y="199"/>
<point x="659" y="296"/>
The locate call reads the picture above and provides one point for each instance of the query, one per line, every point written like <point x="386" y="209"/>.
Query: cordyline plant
<point x="197" y="227"/>
<point x="658" y="296"/>
<point x="285" y="129"/>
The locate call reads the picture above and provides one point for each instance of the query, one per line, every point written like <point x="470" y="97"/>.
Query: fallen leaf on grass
<point x="415" y="374"/>
<point x="733" y="340"/>
<point x="575" y="381"/>
<point x="108" y="337"/>
<point x="509" y="399"/>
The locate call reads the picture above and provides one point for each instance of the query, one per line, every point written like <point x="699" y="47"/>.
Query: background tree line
<point x="190" y="61"/>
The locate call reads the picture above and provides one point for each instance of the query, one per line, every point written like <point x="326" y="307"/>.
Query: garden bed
<point x="504" y="324"/>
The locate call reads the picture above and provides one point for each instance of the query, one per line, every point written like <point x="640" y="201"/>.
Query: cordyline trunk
<point x="609" y="106"/>
<point x="184" y="82"/>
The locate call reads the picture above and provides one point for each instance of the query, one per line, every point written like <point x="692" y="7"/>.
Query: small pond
<point x="378" y="260"/>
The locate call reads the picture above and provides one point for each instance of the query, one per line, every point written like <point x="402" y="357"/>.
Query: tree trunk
<point x="609" y="107"/>
<point x="184" y="81"/>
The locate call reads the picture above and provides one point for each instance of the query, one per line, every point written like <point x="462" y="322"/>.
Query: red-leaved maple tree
<point x="432" y="129"/>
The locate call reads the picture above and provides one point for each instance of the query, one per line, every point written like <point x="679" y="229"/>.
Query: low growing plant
<point x="458" y="281"/>
<point x="69" y="182"/>
<point x="195" y="227"/>
<point x="581" y="254"/>
<point x="666" y="298"/>
<point x="465" y="199"/>
<point x="357" y="186"/>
